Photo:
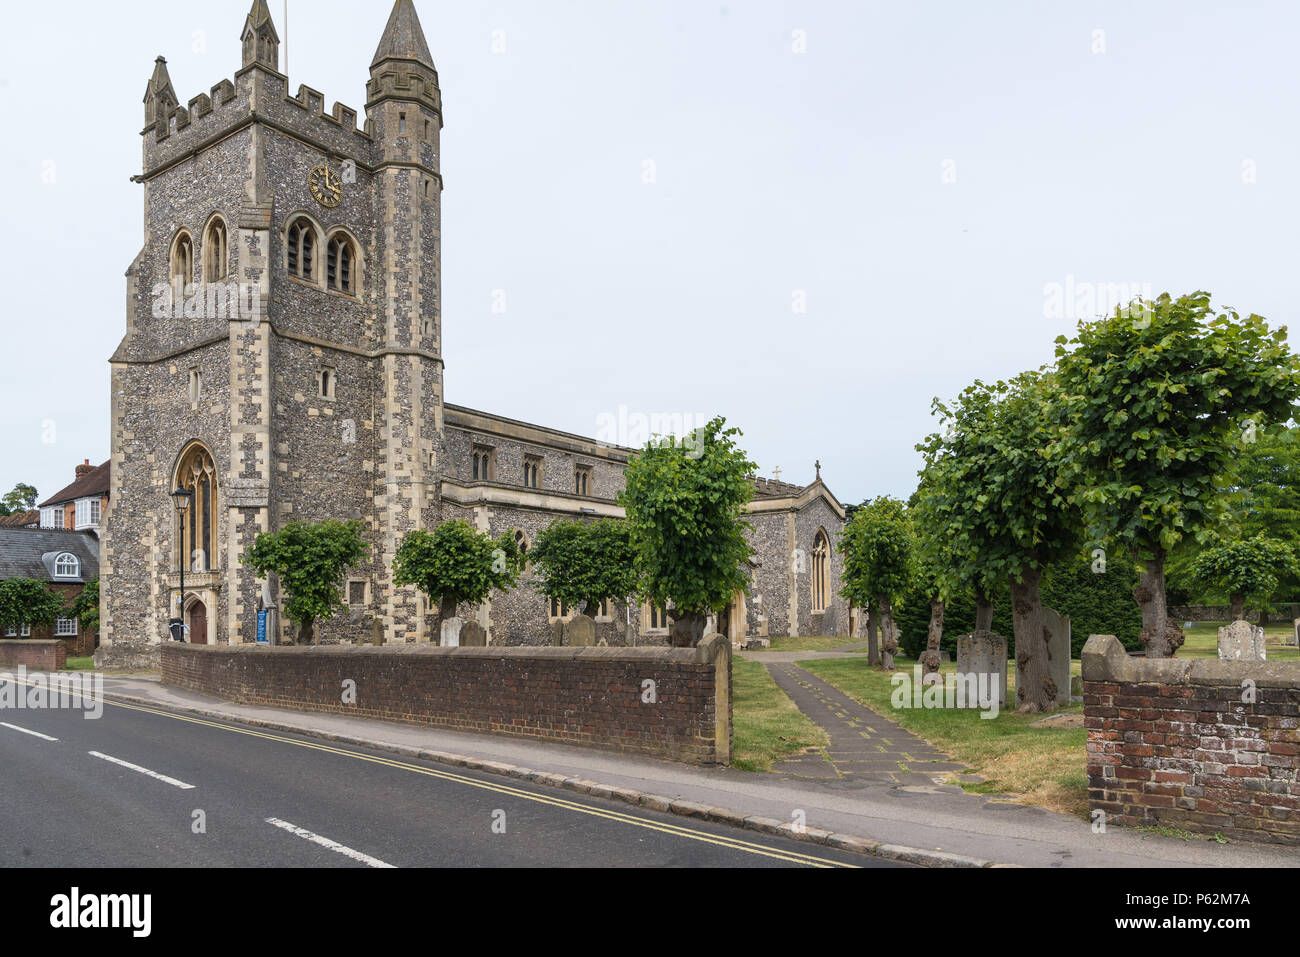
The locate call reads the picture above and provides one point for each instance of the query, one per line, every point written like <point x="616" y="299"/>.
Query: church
<point x="283" y="361"/>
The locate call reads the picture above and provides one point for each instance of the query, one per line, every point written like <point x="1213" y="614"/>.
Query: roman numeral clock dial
<point x="325" y="186"/>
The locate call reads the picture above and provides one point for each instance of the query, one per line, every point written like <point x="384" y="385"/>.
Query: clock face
<point x="325" y="186"/>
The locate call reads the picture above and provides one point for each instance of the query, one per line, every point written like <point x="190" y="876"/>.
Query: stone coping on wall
<point x="704" y="653"/>
<point x="1104" y="659"/>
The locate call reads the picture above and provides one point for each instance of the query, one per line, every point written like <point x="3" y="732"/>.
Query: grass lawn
<point x="767" y="726"/>
<point x="1038" y="765"/>
<point x="1203" y="642"/>
<point x="810" y="643"/>
<point x="79" y="664"/>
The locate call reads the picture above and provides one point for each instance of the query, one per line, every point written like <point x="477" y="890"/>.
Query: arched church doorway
<point x="198" y="622"/>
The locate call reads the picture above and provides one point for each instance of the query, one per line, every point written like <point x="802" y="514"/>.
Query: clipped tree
<point x="878" y="566"/>
<point x="456" y="563"/>
<point x="311" y="561"/>
<point x="21" y="498"/>
<point x="684" y="502"/>
<point x="583" y="563"/>
<point x="85" y="607"/>
<point x="1001" y="509"/>
<point x="1247" y="568"/>
<point x="1155" y="402"/>
<point x="26" y="601"/>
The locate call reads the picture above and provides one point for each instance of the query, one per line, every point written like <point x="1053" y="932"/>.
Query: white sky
<point x="776" y="171"/>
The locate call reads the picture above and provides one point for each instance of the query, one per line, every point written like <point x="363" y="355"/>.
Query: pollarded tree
<point x="1155" y="402"/>
<point x="684" y="503"/>
<point x="583" y="563"/>
<point x="1245" y="568"/>
<point x="27" y="602"/>
<point x="878" y="566"/>
<point x="456" y="563"/>
<point x="311" y="561"/>
<point x="1002" y="509"/>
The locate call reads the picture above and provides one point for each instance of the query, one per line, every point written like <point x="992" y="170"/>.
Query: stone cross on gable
<point x="776" y="473"/>
<point x="818" y="465"/>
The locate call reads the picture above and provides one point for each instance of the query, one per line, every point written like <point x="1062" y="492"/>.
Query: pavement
<point x="920" y="820"/>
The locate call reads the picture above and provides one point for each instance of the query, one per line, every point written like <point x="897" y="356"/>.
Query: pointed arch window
<point x="182" y="265"/>
<point x="216" y="252"/>
<point x="302" y="250"/>
<point x="820" y="572"/>
<point x="341" y="265"/>
<point x="197" y="534"/>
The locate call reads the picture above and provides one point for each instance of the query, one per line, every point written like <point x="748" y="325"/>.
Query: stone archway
<point x="196" y="616"/>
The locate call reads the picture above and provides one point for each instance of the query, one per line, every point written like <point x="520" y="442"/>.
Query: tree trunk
<point x="983" y="611"/>
<point x="1159" y="635"/>
<point x="1035" y="689"/>
<point x="687" y="629"/>
<point x="873" y="642"/>
<point x="930" y="660"/>
<point x="307" y="632"/>
<point x="1238" y="610"/>
<point x="888" y="643"/>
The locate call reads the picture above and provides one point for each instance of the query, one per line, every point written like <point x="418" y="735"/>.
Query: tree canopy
<point x="26" y="601"/>
<point x="583" y="563"/>
<point x="456" y="563"/>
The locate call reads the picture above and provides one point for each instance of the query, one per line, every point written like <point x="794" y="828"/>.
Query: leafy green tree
<point x="1245" y="568"/>
<point x="1156" y="400"/>
<point x="85" y="607"/>
<point x="684" y="502"/>
<point x="879" y="556"/>
<point x="1002" y="511"/>
<point x="21" y="498"/>
<point x="26" y="601"/>
<point x="456" y="563"/>
<point x="583" y="563"/>
<point x="311" y="561"/>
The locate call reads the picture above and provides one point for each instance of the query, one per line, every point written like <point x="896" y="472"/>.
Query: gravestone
<point x="984" y="653"/>
<point x="1241" y="641"/>
<point x="473" y="635"/>
<point x="1295" y="634"/>
<point x="451" y="632"/>
<point x="1057" y="633"/>
<point x="557" y="632"/>
<point x="580" y="632"/>
<point x="828" y="623"/>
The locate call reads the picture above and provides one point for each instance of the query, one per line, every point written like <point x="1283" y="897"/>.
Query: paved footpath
<point x="940" y="820"/>
<point x="864" y="746"/>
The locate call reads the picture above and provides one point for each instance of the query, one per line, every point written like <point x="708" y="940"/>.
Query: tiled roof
<point x="95" y="482"/>
<point x="20" y="519"/>
<point x="30" y="553"/>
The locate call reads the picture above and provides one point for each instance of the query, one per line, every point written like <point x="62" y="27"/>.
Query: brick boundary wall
<point x="1172" y="742"/>
<point x="584" y="696"/>
<point x="33" y="653"/>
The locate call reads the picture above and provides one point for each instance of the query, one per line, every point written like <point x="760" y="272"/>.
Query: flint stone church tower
<point x="283" y="361"/>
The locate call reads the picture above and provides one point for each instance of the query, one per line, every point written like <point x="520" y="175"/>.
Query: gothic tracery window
<point x="820" y="576"/>
<point x="216" y="252"/>
<point x="197" y="534"/>
<point x="182" y="264"/>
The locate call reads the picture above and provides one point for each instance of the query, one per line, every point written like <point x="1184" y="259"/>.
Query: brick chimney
<point x="83" y="469"/>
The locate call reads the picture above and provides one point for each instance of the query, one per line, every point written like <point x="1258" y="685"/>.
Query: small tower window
<point x="532" y="471"/>
<point x="327" y="380"/>
<point x="302" y="249"/>
<point x="216" y="252"/>
<point x="483" y="464"/>
<point x="582" y="480"/>
<point x="196" y="385"/>
<point x="401" y="122"/>
<point x="340" y="274"/>
<point x="183" y="260"/>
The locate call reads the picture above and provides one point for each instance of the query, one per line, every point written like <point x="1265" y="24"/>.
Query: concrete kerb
<point x="654" y="802"/>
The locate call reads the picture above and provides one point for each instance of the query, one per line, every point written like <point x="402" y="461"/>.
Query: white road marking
<point x="34" y="734"/>
<point x="326" y="842"/>
<point x="135" y="767"/>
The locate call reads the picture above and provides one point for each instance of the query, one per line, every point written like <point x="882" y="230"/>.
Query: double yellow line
<point x="675" y="830"/>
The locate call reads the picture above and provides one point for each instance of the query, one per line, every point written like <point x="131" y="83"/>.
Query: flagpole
<point x="286" y="37"/>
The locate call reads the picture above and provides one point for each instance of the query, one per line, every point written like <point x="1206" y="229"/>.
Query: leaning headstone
<point x="473" y="635"/>
<point x="451" y="632"/>
<point x="580" y="632"/>
<point x="982" y="653"/>
<point x="1241" y="641"/>
<point x="1057" y="633"/>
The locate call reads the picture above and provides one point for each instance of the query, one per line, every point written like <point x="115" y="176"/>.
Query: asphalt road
<point x="150" y="787"/>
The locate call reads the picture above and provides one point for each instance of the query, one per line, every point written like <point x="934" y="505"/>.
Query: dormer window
<point x="67" y="565"/>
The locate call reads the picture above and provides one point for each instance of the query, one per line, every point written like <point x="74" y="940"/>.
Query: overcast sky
<point x="811" y="217"/>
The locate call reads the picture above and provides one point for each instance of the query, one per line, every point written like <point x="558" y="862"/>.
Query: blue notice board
<point x="261" y="627"/>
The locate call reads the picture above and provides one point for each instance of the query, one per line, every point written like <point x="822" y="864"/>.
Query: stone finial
<point x="159" y="97"/>
<point x="261" y="42"/>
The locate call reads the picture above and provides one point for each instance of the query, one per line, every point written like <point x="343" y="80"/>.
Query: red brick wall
<point x="586" y="696"/>
<point x="32" y="654"/>
<point x="1173" y="743"/>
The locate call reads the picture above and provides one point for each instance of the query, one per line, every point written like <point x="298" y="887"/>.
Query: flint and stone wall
<point x="1204" y="745"/>
<point x="584" y="696"/>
